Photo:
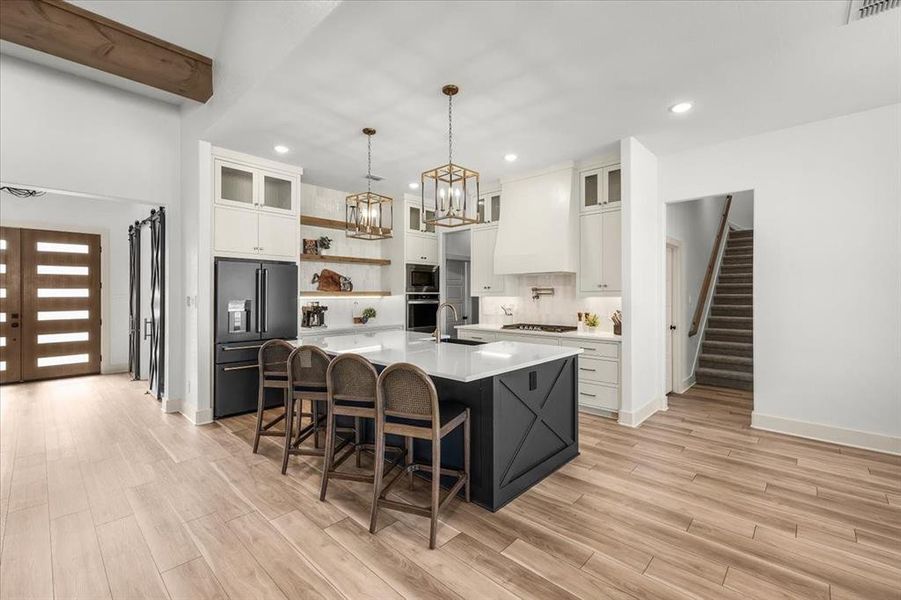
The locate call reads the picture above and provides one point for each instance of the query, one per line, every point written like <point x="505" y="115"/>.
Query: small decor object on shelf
<point x="324" y="243"/>
<point x="617" y="318"/>
<point x="330" y="281"/>
<point x="592" y="321"/>
<point x="311" y="247"/>
<point x="368" y="313"/>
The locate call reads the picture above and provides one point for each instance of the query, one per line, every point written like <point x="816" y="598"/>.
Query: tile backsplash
<point x="559" y="309"/>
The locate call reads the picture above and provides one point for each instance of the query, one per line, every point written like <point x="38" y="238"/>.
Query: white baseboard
<point x="686" y="384"/>
<point x="637" y="417"/>
<point x="197" y="416"/>
<point x="827" y="433"/>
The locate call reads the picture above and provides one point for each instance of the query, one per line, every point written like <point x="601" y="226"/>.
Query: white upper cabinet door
<point x="422" y="249"/>
<point x="235" y="231"/>
<point x="235" y="184"/>
<point x="613" y="190"/>
<point x="278" y="236"/>
<point x="591" y="190"/>
<point x="278" y="193"/>
<point x="483" y="278"/>
<point x="611" y="250"/>
<point x="591" y="279"/>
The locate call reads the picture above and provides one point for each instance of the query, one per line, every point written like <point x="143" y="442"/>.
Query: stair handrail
<point x="711" y="267"/>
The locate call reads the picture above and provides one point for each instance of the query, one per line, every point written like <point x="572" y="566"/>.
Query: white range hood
<point x="539" y="228"/>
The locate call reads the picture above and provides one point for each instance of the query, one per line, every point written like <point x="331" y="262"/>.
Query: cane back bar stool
<point x="273" y="365"/>
<point x="351" y="393"/>
<point x="307" y="366"/>
<point x="407" y="405"/>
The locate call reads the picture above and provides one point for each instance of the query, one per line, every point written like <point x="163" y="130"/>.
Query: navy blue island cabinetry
<point x="523" y="401"/>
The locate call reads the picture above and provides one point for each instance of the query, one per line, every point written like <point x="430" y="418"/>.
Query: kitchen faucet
<point x="437" y="333"/>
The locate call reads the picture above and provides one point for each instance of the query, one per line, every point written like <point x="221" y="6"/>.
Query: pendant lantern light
<point x="369" y="216"/>
<point x="452" y="190"/>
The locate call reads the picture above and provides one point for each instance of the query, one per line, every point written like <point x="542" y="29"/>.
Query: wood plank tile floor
<point x="104" y="496"/>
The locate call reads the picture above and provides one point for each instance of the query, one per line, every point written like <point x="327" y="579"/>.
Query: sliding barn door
<point x="60" y="304"/>
<point x="10" y="306"/>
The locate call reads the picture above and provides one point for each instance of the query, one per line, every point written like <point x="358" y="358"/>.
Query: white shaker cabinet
<point x="600" y="188"/>
<point x="421" y="248"/>
<point x="483" y="279"/>
<point x="600" y="253"/>
<point x="256" y="204"/>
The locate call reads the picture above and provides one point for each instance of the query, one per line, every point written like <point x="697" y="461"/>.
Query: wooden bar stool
<point x="273" y="365"/>
<point x="351" y="393"/>
<point x="407" y="405"/>
<point x="307" y="366"/>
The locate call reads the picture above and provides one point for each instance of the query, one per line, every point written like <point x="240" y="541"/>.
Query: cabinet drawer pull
<point x="241" y="368"/>
<point x="242" y="348"/>
<point x="587" y="394"/>
<point x="584" y="369"/>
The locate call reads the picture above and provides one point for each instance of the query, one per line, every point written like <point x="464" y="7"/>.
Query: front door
<point x="52" y="305"/>
<point x="10" y="306"/>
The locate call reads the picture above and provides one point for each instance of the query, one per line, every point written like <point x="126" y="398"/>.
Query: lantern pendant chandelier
<point x="452" y="190"/>
<point x="368" y="216"/>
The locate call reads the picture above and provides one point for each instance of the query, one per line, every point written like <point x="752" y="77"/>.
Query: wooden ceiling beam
<point x="75" y="34"/>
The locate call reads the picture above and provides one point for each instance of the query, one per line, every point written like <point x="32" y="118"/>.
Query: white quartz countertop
<point x="450" y="361"/>
<point x="576" y="335"/>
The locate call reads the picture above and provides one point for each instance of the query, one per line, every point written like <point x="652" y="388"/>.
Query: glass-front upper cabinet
<point x="489" y="208"/>
<point x="277" y="193"/>
<point x="234" y="184"/>
<point x="429" y="216"/>
<point x="613" y="189"/>
<point x="600" y="187"/>
<point x="414" y="218"/>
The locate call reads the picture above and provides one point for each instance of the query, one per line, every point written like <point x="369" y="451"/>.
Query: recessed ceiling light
<point x="281" y="149"/>
<point x="681" y="107"/>
<point x="414" y="186"/>
<point x="510" y="157"/>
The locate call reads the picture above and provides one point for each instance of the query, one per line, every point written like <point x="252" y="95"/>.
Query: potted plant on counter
<point x="592" y="321"/>
<point x="368" y="313"/>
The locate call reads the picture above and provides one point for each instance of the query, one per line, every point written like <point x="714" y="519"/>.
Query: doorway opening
<point x="455" y="282"/>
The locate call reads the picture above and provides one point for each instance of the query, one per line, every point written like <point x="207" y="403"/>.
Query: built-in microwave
<point x="422" y="278"/>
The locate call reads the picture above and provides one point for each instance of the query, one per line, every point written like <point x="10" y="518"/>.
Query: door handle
<point x="259" y="275"/>
<point x="265" y="301"/>
<point x="241" y="368"/>
<point x="147" y="334"/>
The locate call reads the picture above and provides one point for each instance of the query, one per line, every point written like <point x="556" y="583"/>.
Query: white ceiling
<point x="547" y="81"/>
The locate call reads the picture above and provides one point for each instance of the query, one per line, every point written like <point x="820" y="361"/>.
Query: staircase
<point x="727" y="352"/>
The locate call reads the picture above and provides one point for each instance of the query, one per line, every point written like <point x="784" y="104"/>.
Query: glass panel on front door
<point x="276" y="193"/>
<point x="236" y="185"/>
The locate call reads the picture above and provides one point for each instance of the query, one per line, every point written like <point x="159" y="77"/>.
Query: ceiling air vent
<point x="373" y="177"/>
<point x="861" y="9"/>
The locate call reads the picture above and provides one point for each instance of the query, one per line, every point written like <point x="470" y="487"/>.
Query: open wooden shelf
<point x="318" y="293"/>
<point x="327" y="223"/>
<point x="355" y="260"/>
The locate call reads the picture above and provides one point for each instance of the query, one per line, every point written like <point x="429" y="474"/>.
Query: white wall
<point x="643" y="286"/>
<point x="109" y="219"/>
<point x="66" y="133"/>
<point x="827" y="269"/>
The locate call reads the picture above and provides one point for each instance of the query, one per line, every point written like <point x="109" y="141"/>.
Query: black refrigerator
<point x="255" y="301"/>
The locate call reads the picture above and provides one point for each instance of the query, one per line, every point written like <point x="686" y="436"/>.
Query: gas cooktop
<point x="545" y="328"/>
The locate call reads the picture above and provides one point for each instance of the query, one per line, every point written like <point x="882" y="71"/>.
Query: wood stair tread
<point x="727" y="358"/>
<point x="724" y="374"/>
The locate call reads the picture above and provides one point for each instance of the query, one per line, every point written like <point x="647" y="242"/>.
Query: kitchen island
<point x="523" y="401"/>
